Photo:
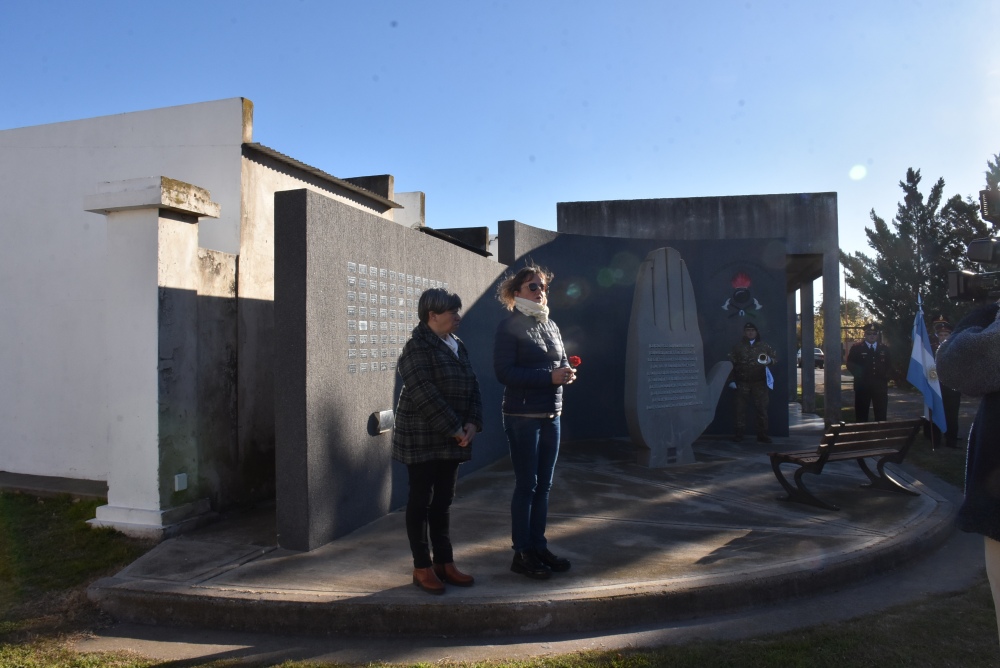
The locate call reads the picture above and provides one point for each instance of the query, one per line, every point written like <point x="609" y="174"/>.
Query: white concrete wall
<point x="413" y="212"/>
<point x="54" y="413"/>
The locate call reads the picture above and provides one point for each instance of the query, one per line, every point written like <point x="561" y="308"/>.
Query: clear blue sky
<point x="498" y="110"/>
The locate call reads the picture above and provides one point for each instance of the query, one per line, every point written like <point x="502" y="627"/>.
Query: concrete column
<point x="791" y="337"/>
<point x="808" y="343"/>
<point x="832" y="336"/>
<point x="151" y="352"/>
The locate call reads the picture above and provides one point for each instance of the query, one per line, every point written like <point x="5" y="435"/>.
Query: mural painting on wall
<point x="741" y="302"/>
<point x="381" y="313"/>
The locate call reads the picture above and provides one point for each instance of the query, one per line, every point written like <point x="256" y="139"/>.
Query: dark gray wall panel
<point x="332" y="475"/>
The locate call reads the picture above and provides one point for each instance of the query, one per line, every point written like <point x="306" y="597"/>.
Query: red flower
<point x="574" y="361"/>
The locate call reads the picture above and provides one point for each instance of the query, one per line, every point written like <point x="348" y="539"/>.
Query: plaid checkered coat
<point x="440" y="396"/>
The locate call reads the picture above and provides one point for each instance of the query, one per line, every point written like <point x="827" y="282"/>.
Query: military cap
<point x="942" y="325"/>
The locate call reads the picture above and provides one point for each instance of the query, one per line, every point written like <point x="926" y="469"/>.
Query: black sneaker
<point x="556" y="564"/>
<point x="527" y="563"/>
<point x="764" y="438"/>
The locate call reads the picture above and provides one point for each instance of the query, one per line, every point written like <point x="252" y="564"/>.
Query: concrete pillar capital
<point x="152" y="192"/>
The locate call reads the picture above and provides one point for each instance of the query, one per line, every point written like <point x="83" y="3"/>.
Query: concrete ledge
<point x="647" y="547"/>
<point x="157" y="192"/>
<point x="42" y="485"/>
<point x="579" y="611"/>
<point x="155" y="524"/>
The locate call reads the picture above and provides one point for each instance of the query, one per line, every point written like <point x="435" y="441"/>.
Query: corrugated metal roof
<point x="319" y="173"/>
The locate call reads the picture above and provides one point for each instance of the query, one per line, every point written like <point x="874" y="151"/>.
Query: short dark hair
<point x="437" y="300"/>
<point x="508" y="288"/>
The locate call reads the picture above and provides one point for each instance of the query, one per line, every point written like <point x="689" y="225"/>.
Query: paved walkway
<point x="658" y="556"/>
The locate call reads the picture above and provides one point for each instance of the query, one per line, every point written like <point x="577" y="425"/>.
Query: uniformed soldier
<point x="751" y="357"/>
<point x="870" y="363"/>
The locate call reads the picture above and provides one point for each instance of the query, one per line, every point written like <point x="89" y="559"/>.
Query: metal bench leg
<point x="883" y="480"/>
<point x="799" y="493"/>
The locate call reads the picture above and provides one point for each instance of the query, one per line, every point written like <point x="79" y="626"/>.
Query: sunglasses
<point x="535" y="287"/>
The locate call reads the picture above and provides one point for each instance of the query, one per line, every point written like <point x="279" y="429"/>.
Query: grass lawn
<point x="48" y="556"/>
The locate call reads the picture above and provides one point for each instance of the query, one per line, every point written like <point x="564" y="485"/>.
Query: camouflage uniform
<point x="751" y="383"/>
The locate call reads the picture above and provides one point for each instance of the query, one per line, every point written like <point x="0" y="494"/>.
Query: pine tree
<point x="925" y="242"/>
<point x="993" y="174"/>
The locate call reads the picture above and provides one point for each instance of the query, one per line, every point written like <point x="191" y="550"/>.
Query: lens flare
<point x="858" y="172"/>
<point x="606" y="277"/>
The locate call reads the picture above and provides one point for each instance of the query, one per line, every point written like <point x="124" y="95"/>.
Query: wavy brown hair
<point x="508" y="288"/>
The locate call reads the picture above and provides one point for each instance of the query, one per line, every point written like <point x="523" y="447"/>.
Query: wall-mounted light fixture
<point x="380" y="422"/>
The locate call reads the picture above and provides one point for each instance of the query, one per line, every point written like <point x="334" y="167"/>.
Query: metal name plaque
<point x="391" y="295"/>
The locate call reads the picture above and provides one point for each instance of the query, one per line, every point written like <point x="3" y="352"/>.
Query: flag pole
<point x="920" y="315"/>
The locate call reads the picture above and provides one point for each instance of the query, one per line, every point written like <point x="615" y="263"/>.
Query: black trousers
<point x="428" y="511"/>
<point x="874" y="394"/>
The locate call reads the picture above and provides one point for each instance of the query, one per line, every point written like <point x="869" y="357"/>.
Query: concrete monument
<point x="668" y="401"/>
<point x="346" y="289"/>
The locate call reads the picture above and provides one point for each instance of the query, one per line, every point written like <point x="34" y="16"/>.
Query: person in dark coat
<point x="531" y="363"/>
<point x="870" y="363"/>
<point x="950" y="397"/>
<point x="439" y="413"/>
<point x="969" y="361"/>
<point x="751" y="358"/>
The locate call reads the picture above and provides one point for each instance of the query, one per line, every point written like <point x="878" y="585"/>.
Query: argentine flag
<point x="923" y="373"/>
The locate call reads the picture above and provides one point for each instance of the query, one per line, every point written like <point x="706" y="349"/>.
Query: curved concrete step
<point x="646" y="546"/>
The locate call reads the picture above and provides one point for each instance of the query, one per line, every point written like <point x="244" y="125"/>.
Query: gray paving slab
<point x="661" y="546"/>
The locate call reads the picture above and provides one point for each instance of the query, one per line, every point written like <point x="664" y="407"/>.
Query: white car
<point x="817" y="358"/>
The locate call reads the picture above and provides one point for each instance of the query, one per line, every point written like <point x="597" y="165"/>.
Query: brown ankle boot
<point x="426" y="579"/>
<point x="450" y="574"/>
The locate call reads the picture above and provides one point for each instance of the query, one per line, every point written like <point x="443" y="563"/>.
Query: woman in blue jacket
<point x="531" y="363"/>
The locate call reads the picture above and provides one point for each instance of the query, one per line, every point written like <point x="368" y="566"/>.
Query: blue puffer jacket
<point x="525" y="352"/>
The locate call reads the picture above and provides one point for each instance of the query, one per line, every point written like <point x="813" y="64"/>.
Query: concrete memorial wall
<point x="805" y="225"/>
<point x="347" y="285"/>
<point x="591" y="300"/>
<point x="346" y="290"/>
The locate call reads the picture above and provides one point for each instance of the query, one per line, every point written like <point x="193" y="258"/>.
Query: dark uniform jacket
<point x="969" y="361"/>
<point x="870" y="370"/>
<point x="746" y="368"/>
<point x="440" y="396"/>
<point x="525" y="352"/>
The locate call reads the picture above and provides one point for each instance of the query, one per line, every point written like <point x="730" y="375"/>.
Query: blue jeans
<point x="534" y="448"/>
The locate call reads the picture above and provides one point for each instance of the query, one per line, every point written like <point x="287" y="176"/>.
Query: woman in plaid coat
<point x="440" y="411"/>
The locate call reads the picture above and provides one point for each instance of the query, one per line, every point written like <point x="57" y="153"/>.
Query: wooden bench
<point x="887" y="441"/>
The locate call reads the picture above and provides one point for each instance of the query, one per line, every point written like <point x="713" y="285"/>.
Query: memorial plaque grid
<point x="381" y="306"/>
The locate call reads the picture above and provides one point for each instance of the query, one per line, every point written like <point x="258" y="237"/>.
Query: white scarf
<point x="539" y="312"/>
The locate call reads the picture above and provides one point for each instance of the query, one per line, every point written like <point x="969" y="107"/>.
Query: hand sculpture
<point x="668" y="401"/>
